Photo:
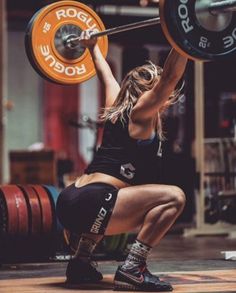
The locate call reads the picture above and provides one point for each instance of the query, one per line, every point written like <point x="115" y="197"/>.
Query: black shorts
<point x="86" y="209"/>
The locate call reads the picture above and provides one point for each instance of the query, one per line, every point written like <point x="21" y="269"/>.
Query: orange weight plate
<point x="29" y="50"/>
<point x="33" y="204"/>
<point x="46" y="209"/>
<point x="17" y="213"/>
<point x="45" y="42"/>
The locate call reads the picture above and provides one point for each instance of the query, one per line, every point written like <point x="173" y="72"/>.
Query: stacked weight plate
<point x="14" y="221"/>
<point x="28" y="223"/>
<point x="30" y="230"/>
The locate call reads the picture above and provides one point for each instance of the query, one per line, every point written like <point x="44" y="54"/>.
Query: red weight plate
<point x="18" y="218"/>
<point x="46" y="209"/>
<point x="35" y="217"/>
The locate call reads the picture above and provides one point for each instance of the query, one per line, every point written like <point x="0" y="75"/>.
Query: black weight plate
<point x="53" y="194"/>
<point x="196" y="39"/>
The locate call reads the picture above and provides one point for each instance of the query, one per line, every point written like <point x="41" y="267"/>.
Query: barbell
<point x="202" y="30"/>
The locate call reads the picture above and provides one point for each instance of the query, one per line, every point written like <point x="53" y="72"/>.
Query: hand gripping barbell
<point x="199" y="29"/>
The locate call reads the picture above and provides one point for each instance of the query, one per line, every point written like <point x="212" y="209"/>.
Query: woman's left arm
<point x="150" y="102"/>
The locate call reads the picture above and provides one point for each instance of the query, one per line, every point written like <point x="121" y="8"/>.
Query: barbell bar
<point x="199" y="29"/>
<point x="214" y="7"/>
<point x="73" y="42"/>
<point x="222" y="6"/>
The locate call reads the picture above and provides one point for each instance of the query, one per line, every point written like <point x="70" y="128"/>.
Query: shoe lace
<point x="146" y="271"/>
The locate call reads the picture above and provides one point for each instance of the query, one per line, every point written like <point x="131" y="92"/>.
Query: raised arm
<point x="103" y="70"/>
<point x="151" y="101"/>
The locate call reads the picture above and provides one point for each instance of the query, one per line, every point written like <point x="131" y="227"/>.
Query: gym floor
<point x="191" y="264"/>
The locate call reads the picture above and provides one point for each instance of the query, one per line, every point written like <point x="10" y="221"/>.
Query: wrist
<point x="93" y="49"/>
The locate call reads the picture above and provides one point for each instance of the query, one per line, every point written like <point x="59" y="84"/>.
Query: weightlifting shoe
<point x="79" y="271"/>
<point x="139" y="279"/>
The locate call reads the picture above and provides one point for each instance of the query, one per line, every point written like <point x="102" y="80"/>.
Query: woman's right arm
<point x="103" y="69"/>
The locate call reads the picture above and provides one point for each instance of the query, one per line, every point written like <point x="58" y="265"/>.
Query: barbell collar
<point x="73" y="42"/>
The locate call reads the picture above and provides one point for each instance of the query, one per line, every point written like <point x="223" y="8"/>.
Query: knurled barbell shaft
<point x="75" y="41"/>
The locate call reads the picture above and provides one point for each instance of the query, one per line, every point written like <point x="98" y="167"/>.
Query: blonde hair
<point x="135" y="83"/>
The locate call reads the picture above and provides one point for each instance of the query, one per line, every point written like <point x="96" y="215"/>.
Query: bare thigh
<point x="135" y="201"/>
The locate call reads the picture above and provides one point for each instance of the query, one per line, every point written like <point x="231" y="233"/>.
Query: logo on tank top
<point x="127" y="170"/>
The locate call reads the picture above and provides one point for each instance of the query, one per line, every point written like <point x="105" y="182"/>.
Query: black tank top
<point x="130" y="160"/>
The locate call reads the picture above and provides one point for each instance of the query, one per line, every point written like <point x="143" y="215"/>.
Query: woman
<point x="119" y="192"/>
